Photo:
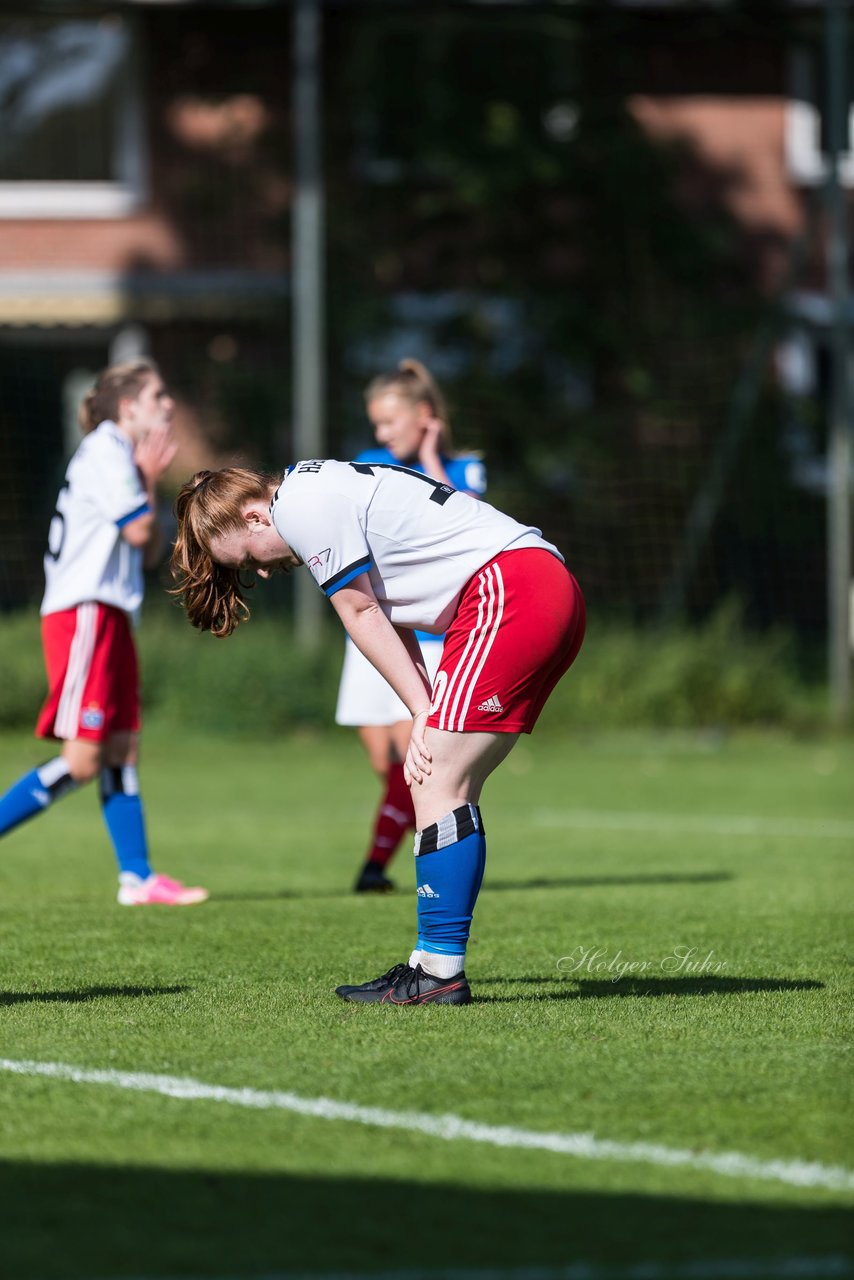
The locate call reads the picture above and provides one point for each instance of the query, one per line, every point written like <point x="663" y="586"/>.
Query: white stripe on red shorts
<point x="463" y="679"/>
<point x="79" y="662"/>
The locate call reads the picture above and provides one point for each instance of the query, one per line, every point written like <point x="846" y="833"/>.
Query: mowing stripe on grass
<point x="449" y="1128"/>
<point x="832" y="1267"/>
<point x="695" y="824"/>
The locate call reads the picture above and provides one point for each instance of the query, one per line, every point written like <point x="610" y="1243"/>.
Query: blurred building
<point x="138" y="214"/>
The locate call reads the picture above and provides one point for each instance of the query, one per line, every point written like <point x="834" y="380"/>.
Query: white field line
<point x="450" y="1128"/>
<point x="827" y="1268"/>
<point x="694" y="824"/>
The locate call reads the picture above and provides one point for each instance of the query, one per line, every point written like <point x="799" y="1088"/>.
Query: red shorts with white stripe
<point x="92" y="674"/>
<point x="518" y="628"/>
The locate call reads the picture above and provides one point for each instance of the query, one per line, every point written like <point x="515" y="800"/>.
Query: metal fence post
<point x="307" y="276"/>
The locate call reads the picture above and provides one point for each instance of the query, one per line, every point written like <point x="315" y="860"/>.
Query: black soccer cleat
<point x="381" y="984"/>
<point x="372" y="879"/>
<point x="405" y="985"/>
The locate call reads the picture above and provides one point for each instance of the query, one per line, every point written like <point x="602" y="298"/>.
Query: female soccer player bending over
<point x="396" y="551"/>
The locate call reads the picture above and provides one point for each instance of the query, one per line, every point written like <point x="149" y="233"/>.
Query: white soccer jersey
<point x="419" y="541"/>
<point x="87" y="558"/>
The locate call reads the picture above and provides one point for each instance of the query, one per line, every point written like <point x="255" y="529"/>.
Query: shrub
<point x="715" y="675"/>
<point x="258" y="680"/>
<point x="261" y="681"/>
<point x="23" y="683"/>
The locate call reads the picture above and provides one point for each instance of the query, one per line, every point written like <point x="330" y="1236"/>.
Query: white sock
<point x="438" y="966"/>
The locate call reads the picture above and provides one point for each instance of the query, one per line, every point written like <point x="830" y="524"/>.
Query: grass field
<point x="719" y="870"/>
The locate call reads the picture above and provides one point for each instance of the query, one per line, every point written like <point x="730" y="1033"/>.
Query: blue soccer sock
<point x="450" y="856"/>
<point x="34" y="792"/>
<point x="123" y="814"/>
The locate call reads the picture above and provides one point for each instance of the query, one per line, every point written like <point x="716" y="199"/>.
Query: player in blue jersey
<point x="103" y="530"/>
<point x="410" y="421"/>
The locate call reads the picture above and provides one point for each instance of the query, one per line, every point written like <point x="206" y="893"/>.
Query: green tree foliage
<point x="593" y="299"/>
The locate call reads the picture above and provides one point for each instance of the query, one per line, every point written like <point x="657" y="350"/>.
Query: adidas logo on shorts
<point x="491" y="704"/>
<point x="424" y="891"/>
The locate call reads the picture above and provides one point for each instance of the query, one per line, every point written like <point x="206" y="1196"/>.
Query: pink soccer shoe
<point x="157" y="890"/>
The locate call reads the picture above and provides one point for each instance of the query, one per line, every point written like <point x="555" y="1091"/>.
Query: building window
<point x="72" y="140"/>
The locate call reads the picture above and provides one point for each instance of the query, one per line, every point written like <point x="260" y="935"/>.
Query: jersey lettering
<point x="441" y="492"/>
<point x="56" y="532"/>
<point x="321" y="558"/>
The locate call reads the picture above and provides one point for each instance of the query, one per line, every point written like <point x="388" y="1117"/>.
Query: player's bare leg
<point x="84" y="759"/>
<point x="460" y="765"/>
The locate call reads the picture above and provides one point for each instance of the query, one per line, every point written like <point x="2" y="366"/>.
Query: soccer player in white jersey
<point x="396" y="551"/>
<point x="410" y="420"/>
<point x="103" y="527"/>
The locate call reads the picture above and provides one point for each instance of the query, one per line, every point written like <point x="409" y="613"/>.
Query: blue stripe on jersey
<point x="341" y="579"/>
<point x="133" y="515"/>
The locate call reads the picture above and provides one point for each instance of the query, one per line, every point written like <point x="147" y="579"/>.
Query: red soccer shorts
<point x="92" y="674"/>
<point x="518" y="628"/>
